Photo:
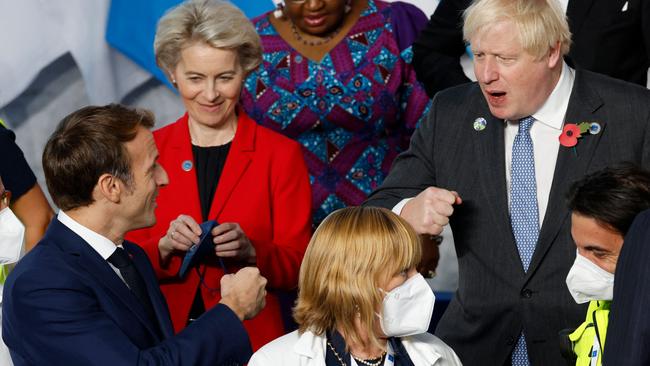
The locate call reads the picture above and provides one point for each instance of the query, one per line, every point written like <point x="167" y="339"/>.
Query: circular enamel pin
<point x="594" y="128"/>
<point x="480" y="124"/>
<point x="187" y="165"/>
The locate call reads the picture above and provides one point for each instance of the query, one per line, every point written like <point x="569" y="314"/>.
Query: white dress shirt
<point x="545" y="133"/>
<point x="101" y="244"/>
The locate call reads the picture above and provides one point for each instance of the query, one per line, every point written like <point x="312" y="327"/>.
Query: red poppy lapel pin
<point x="572" y="132"/>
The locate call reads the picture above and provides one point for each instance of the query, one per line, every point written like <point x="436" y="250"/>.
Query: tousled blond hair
<point x="541" y="24"/>
<point x="351" y="254"/>
<point x="216" y="23"/>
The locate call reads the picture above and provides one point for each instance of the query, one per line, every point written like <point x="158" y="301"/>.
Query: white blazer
<point x="308" y="349"/>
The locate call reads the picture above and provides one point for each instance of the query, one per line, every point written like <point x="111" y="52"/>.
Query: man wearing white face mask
<point x="360" y="300"/>
<point x="603" y="205"/>
<point x="12" y="234"/>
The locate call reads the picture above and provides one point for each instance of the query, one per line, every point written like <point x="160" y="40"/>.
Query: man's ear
<point x="554" y="55"/>
<point x="109" y="187"/>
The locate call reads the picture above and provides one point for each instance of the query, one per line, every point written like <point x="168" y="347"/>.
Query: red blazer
<point x="265" y="188"/>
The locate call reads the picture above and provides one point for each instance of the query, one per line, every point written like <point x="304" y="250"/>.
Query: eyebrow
<point x="593" y="247"/>
<point x="219" y="74"/>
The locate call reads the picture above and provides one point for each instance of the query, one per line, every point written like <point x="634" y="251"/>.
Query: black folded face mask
<point x="198" y="251"/>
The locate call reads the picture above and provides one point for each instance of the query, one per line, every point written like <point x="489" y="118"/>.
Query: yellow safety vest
<point x="583" y="338"/>
<point x="4" y="272"/>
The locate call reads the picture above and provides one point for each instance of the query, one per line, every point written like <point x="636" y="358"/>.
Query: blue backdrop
<point x="132" y="26"/>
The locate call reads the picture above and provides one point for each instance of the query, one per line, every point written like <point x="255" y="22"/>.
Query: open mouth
<point x="495" y="97"/>
<point x="314" y="21"/>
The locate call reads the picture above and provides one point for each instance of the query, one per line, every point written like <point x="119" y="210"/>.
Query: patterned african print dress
<point x="353" y="111"/>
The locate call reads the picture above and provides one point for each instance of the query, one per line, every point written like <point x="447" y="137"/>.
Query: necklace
<point x="299" y="38"/>
<point x="336" y="354"/>
<point x="379" y="361"/>
<point x="364" y="362"/>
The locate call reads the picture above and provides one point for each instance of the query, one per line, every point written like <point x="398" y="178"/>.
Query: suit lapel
<point x="237" y="162"/>
<point x="572" y="164"/>
<point x="159" y="304"/>
<point x="490" y="157"/>
<point x="183" y="169"/>
<point x="89" y="261"/>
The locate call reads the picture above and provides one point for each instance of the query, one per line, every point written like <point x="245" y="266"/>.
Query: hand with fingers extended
<point x="244" y="292"/>
<point x="183" y="232"/>
<point x="231" y="242"/>
<point x="429" y="211"/>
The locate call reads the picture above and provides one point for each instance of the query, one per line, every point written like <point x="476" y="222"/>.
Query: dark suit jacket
<point x="64" y="305"/>
<point x="628" y="333"/>
<point x="495" y="299"/>
<point x="605" y="40"/>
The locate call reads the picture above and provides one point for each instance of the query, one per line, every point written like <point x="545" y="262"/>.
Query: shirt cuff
<point x="397" y="209"/>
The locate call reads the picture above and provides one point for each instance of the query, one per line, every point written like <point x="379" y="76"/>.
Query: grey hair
<point x="216" y="23"/>
<point x="541" y="24"/>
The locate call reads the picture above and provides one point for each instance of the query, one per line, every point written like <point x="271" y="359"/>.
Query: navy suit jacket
<point x="64" y="305"/>
<point x="628" y="334"/>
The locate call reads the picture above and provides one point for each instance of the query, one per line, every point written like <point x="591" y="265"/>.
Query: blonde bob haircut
<point x="352" y="253"/>
<point x="541" y="24"/>
<point x="216" y="23"/>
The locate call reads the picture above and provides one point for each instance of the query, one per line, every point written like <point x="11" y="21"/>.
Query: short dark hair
<point x="612" y="196"/>
<point x="86" y="144"/>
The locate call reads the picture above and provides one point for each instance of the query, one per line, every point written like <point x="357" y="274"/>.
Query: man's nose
<point x="489" y="72"/>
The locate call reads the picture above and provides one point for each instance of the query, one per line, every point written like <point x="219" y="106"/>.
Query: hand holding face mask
<point x="587" y="281"/>
<point x="407" y="308"/>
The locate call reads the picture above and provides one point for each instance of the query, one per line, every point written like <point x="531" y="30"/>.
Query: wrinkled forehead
<point x="503" y="31"/>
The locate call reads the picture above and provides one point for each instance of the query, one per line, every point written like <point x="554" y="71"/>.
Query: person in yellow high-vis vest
<point x="603" y="206"/>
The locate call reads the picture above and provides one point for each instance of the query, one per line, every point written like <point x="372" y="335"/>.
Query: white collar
<point x="420" y="347"/>
<point x="101" y="244"/>
<point x="311" y="345"/>
<point x="554" y="109"/>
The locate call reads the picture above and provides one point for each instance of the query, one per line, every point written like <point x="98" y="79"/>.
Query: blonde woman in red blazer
<point x="262" y="200"/>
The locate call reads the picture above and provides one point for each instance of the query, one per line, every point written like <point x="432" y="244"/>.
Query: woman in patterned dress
<point x="336" y="76"/>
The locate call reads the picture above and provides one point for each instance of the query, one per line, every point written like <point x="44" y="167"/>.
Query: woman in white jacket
<point x="361" y="302"/>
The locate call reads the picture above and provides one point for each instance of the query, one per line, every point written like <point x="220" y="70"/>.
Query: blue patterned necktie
<point x="524" y="214"/>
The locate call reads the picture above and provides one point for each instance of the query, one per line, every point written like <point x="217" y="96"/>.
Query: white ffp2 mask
<point x="407" y="308"/>
<point x="586" y="281"/>
<point x="12" y="234"/>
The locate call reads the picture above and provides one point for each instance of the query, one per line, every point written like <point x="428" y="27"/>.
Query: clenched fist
<point x="429" y="211"/>
<point x="244" y="292"/>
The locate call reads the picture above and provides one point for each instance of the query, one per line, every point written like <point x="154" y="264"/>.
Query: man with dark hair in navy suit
<point x="85" y="296"/>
